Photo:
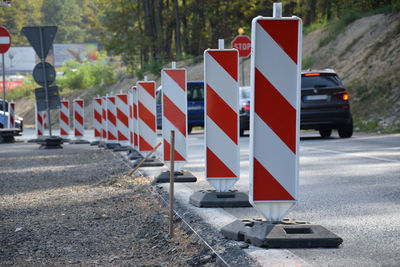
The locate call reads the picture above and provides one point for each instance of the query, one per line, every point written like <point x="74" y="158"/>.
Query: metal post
<point x="221" y="44"/>
<point x="4" y="92"/>
<point x="277" y="10"/>
<point x="44" y="78"/>
<point x="242" y="67"/>
<point x="171" y="186"/>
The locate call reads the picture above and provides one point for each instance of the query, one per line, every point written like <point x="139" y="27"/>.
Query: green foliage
<point x="25" y="91"/>
<point x="85" y="75"/>
<point x="308" y="62"/>
<point x="74" y="19"/>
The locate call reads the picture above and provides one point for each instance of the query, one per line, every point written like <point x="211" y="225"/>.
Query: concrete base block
<point x="95" y="143"/>
<point x="289" y="234"/>
<point x="213" y="199"/>
<point x="150" y="162"/>
<point x="110" y="145"/>
<point x="79" y="142"/>
<point x="120" y="148"/>
<point x="50" y="142"/>
<point x="134" y="155"/>
<point x="179" y="177"/>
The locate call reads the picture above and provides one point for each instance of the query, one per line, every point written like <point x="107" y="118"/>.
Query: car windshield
<point x="323" y="80"/>
<point x="245" y="92"/>
<point x="195" y="92"/>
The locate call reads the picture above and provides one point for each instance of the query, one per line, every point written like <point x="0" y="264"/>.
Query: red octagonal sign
<point x="5" y="40"/>
<point x="243" y="44"/>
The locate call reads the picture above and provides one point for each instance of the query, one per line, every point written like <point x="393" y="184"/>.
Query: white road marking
<point x="350" y="154"/>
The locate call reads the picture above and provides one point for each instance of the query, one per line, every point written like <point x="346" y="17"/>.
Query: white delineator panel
<point x="78" y="118"/>
<point x="131" y="130"/>
<point x="104" y="117"/>
<point x="64" y="119"/>
<point x="275" y="115"/>
<point x="174" y="111"/>
<point x="222" y="118"/>
<point x="97" y="120"/>
<point x="135" y="118"/>
<point x="11" y="114"/>
<point x="146" y="93"/>
<point x="38" y="122"/>
<point x="111" y="121"/>
<point x="122" y="108"/>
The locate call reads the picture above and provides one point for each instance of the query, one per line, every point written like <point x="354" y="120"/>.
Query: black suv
<point x="325" y="103"/>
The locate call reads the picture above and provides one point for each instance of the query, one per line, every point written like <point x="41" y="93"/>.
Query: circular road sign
<point x="5" y="40"/>
<point x="243" y="44"/>
<point x="38" y="74"/>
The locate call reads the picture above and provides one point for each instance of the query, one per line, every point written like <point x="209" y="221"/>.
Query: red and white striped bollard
<point x="64" y="119"/>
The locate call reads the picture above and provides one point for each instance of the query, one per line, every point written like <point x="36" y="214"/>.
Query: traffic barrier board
<point x="64" y="119"/>
<point x="146" y="93"/>
<point x="135" y="118"/>
<point x="222" y="118"/>
<point x="174" y="115"/>
<point x="97" y="118"/>
<point x="104" y="118"/>
<point x="122" y="108"/>
<point x="274" y="115"/>
<point x="38" y="122"/>
<point x="11" y="114"/>
<point x="112" y="133"/>
<point x="131" y="130"/>
<point x="79" y="115"/>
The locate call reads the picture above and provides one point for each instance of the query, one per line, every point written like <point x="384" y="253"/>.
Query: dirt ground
<point x="77" y="207"/>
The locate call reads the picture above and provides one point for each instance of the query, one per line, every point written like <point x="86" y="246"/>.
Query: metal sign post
<point x="243" y="44"/>
<point x="4" y="92"/>
<point x="5" y="43"/>
<point x="44" y="78"/>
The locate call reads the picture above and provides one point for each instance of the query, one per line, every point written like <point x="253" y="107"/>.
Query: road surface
<point x="350" y="186"/>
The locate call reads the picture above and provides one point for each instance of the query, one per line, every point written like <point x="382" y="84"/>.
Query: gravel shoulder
<point x="76" y="206"/>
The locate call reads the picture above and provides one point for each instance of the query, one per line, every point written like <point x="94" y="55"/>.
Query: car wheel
<point x="346" y="131"/>
<point x="325" y="132"/>
<point x="190" y="129"/>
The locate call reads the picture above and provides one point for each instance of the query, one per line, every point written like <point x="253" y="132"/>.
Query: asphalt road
<point x="350" y="186"/>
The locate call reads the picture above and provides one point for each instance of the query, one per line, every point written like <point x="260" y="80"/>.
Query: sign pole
<point x="4" y="91"/>
<point x="242" y="67"/>
<point x="44" y="78"/>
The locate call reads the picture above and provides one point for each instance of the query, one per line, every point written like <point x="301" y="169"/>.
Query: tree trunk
<point x="185" y="29"/>
<point x="177" y="30"/>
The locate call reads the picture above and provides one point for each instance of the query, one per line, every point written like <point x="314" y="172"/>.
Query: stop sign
<point x="5" y="40"/>
<point x="243" y="44"/>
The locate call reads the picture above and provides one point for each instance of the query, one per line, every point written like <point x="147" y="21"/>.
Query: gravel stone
<point x="77" y="206"/>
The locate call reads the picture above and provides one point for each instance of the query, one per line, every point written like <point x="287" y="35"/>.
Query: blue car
<point x="195" y="102"/>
